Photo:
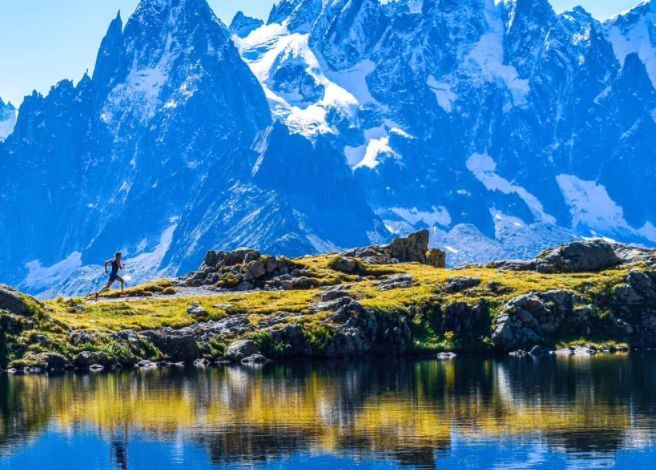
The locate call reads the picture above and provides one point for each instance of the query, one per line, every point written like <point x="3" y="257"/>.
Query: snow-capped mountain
<point x="168" y="149"/>
<point x="498" y="124"/>
<point x="7" y="119"/>
<point x="498" y="119"/>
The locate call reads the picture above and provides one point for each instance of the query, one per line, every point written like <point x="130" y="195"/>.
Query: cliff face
<point x="378" y="300"/>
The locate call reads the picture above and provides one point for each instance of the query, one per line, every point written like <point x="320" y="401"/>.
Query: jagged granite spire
<point x="111" y="62"/>
<point x="243" y="25"/>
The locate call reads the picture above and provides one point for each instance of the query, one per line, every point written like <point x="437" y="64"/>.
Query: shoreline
<point x="392" y="300"/>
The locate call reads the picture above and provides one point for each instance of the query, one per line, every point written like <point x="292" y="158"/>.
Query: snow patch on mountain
<point x="444" y="94"/>
<point x="269" y="48"/>
<point x="591" y="206"/>
<point x="436" y="216"/>
<point x="139" y="95"/>
<point x="635" y="32"/>
<point x="488" y="57"/>
<point x="589" y="203"/>
<point x="39" y="276"/>
<point x="483" y="167"/>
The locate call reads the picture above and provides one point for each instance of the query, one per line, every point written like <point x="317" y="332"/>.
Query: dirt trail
<point x="180" y="292"/>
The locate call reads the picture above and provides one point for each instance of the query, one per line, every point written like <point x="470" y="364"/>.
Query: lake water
<point x="466" y="413"/>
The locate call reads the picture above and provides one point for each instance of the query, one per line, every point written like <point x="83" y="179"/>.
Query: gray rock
<point x="79" y="337"/>
<point x="178" y="345"/>
<point x="240" y="349"/>
<point x="411" y="249"/>
<point x="85" y="359"/>
<point x="446" y="356"/>
<point x="345" y="264"/>
<point x="12" y="301"/>
<point x="458" y="284"/>
<point x="579" y="256"/>
<point x="334" y="293"/>
<point x="254" y="359"/>
<point x="332" y="305"/>
<point x="146" y="365"/>
<point x="397" y="281"/>
<point x="197" y="311"/>
<point x="201" y="363"/>
<point x="298" y="283"/>
<point x="53" y="362"/>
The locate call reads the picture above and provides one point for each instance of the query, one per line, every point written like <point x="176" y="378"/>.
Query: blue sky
<point x="44" y="41"/>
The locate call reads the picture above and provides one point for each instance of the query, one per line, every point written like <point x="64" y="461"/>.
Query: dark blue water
<point x="467" y="413"/>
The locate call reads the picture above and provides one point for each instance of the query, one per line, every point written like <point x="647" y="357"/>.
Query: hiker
<point x="116" y="265"/>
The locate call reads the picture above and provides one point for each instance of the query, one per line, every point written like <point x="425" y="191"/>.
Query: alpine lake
<point x="468" y="412"/>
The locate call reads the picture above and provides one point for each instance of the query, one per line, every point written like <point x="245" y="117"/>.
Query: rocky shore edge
<point x="600" y="317"/>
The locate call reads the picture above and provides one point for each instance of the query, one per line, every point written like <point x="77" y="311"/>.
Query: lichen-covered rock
<point x="410" y="249"/>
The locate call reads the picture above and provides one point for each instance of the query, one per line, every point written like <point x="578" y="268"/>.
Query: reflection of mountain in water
<point x="408" y="412"/>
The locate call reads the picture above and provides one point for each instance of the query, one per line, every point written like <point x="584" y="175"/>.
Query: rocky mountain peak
<point x="7" y="119"/>
<point x="243" y="25"/>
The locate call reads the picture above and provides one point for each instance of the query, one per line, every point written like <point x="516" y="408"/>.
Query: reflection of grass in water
<point x="334" y="410"/>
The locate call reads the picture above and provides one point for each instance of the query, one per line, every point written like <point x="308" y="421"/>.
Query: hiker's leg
<point x="107" y="287"/>
<point x="122" y="281"/>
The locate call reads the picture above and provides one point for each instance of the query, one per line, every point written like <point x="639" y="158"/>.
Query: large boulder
<point x="177" y="345"/>
<point x="532" y="319"/>
<point x="469" y="322"/>
<point x="241" y="349"/>
<point x="346" y="264"/>
<point x="579" y="256"/>
<point x="412" y="248"/>
<point x="52" y="362"/>
<point x="13" y="301"/>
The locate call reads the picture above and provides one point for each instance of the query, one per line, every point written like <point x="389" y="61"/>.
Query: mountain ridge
<point x="502" y="127"/>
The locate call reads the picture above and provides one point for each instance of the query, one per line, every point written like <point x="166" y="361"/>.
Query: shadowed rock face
<point x="410" y="249"/>
<point x="581" y="256"/>
<point x="12" y="301"/>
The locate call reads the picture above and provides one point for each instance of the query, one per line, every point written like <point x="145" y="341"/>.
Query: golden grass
<point x="165" y="310"/>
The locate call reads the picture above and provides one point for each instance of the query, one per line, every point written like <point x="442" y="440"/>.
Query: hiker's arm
<point x="106" y="263"/>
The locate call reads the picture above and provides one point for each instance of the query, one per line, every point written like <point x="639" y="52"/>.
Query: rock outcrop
<point x="13" y="301"/>
<point x="243" y="270"/>
<point x="583" y="256"/>
<point x="410" y="249"/>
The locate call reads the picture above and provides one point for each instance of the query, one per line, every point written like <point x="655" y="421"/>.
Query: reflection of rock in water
<point x="392" y="409"/>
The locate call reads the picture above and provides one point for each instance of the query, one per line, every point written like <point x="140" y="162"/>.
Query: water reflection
<point x="418" y="414"/>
